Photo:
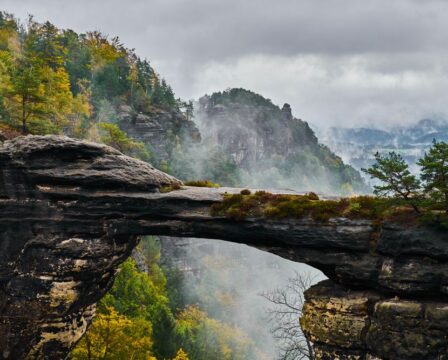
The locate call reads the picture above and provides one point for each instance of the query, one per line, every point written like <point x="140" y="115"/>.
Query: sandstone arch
<point x="71" y="211"/>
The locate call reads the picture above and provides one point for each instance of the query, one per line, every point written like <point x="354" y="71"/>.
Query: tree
<point x="187" y="107"/>
<point x="114" y="336"/>
<point x="207" y="338"/>
<point x="181" y="355"/>
<point x="9" y="37"/>
<point x="38" y="98"/>
<point x="284" y="317"/>
<point x="397" y="180"/>
<point x="45" y="41"/>
<point x="27" y="95"/>
<point x="81" y="111"/>
<point x="58" y="97"/>
<point x="136" y="295"/>
<point x="110" y="134"/>
<point x="434" y="172"/>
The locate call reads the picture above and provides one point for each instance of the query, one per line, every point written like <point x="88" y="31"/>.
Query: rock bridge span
<point x="72" y="211"/>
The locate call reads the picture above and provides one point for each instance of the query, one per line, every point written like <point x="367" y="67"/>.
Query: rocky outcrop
<point x="262" y="138"/>
<point x="72" y="211"/>
<point x="161" y="130"/>
<point x="347" y="324"/>
<point x="252" y="132"/>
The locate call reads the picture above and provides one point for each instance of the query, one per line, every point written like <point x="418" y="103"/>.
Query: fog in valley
<point x="228" y="280"/>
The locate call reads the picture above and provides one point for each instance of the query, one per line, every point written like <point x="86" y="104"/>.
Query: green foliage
<point x="115" y="336"/>
<point x="110" y="134"/>
<point x="264" y="204"/>
<point x="395" y="176"/>
<point x="26" y="98"/>
<point x="434" y="173"/>
<point x="169" y="188"/>
<point x="239" y="95"/>
<point x="205" y="338"/>
<point x="138" y="317"/>
<point x="175" y="286"/>
<point x="397" y="181"/>
<point x="56" y="81"/>
<point x="202" y="183"/>
<point x="136" y="295"/>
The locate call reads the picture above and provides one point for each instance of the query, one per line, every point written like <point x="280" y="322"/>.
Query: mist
<point x="248" y="141"/>
<point x="227" y="279"/>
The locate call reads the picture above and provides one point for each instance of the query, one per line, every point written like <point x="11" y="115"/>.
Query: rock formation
<point x="262" y="138"/>
<point x="72" y="211"/>
<point x="160" y="131"/>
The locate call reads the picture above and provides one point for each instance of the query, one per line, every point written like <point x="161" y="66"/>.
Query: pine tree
<point x="396" y="178"/>
<point x="434" y="172"/>
<point x="181" y="355"/>
<point x="27" y="95"/>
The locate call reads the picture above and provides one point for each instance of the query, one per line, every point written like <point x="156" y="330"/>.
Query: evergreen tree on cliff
<point x="396" y="179"/>
<point x="434" y="173"/>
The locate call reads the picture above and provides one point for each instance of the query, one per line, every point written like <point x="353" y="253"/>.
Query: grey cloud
<point x="212" y="29"/>
<point x="343" y="61"/>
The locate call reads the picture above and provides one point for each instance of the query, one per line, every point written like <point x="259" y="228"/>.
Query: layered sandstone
<point x="72" y="211"/>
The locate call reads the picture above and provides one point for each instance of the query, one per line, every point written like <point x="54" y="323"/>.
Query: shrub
<point x="312" y="196"/>
<point x="169" y="188"/>
<point x="279" y="206"/>
<point x="202" y="183"/>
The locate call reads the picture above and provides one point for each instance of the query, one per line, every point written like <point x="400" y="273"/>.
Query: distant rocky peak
<point x="287" y="112"/>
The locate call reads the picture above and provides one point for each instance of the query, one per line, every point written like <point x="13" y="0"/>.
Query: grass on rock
<point x="202" y="183"/>
<point x="279" y="206"/>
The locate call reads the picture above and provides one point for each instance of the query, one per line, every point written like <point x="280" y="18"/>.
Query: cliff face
<point x="161" y="131"/>
<point x="52" y="272"/>
<point x="251" y="133"/>
<point x="71" y="212"/>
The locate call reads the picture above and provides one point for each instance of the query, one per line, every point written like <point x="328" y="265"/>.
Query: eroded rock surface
<point x="72" y="211"/>
<point x="364" y="324"/>
<point x="148" y="128"/>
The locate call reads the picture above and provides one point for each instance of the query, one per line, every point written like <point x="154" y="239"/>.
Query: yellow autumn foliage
<point x="114" y="336"/>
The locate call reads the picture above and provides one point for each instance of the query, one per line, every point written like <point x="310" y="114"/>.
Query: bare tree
<point x="284" y="317"/>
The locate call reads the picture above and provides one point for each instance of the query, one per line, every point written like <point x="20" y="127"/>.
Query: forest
<point x="59" y="82"/>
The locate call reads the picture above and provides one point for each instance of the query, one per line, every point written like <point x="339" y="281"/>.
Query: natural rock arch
<point x="72" y="211"/>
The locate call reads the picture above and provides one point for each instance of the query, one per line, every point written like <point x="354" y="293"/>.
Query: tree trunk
<point x="23" y="116"/>
<point x="310" y="349"/>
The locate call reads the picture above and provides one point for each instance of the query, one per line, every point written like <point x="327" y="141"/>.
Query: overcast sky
<point x="344" y="62"/>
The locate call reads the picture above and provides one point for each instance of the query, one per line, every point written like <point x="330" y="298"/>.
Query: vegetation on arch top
<point x="56" y="81"/>
<point x="280" y="206"/>
<point x="400" y="196"/>
<point x="427" y="193"/>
